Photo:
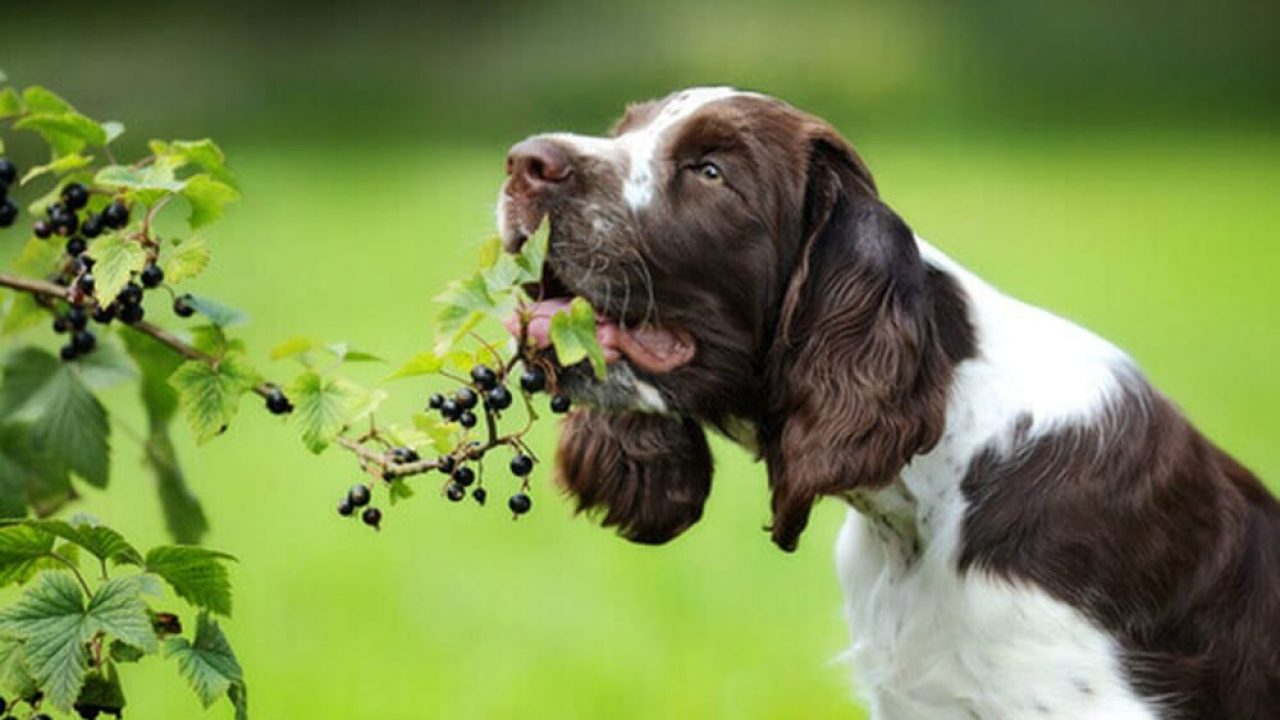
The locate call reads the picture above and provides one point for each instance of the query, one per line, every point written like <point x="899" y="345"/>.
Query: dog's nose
<point x="539" y="164"/>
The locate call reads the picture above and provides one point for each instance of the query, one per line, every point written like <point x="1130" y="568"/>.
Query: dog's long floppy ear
<point x="855" y="374"/>
<point x="647" y="475"/>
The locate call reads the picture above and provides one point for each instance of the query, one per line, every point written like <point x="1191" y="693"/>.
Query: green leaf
<point x="322" y="406"/>
<point x="183" y="515"/>
<point x="14" y="477"/>
<point x="218" y="314"/>
<point x="345" y="353"/>
<point x="66" y="132"/>
<point x="296" y="345"/>
<point x="42" y="100"/>
<point x="47" y="480"/>
<point x="196" y="574"/>
<point x="101" y="542"/>
<point x="22" y="550"/>
<point x="400" y="491"/>
<point x="107" y="366"/>
<point x="116" y="258"/>
<point x="113" y="129"/>
<point x="208" y="199"/>
<point x="64" y="164"/>
<point x="490" y="251"/>
<point x="465" y="304"/>
<point x="15" y="677"/>
<point x="209" y="664"/>
<point x="187" y="260"/>
<point x="444" y="436"/>
<point x="573" y="333"/>
<point x="10" y="103"/>
<point x="204" y="153"/>
<point x="210" y="397"/>
<point x="117" y="608"/>
<point x="124" y="653"/>
<point x="67" y="422"/>
<point x="144" y="185"/>
<point x="104" y="692"/>
<point x="534" y="253"/>
<point x="50" y="621"/>
<point x="426" y="362"/>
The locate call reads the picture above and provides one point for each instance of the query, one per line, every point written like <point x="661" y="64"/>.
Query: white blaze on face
<point x="638" y="147"/>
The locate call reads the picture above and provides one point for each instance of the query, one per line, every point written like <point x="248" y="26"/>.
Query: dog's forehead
<point x="637" y="148"/>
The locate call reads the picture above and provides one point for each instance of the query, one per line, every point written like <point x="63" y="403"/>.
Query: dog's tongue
<point x="650" y="347"/>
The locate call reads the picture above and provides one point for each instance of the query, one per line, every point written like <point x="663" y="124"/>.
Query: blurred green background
<point x="1119" y="165"/>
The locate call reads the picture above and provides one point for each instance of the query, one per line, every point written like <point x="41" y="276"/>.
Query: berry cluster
<point x="33" y="701"/>
<point x="482" y="398"/>
<point x="8" y="208"/>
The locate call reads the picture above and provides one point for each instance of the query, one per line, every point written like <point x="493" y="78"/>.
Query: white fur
<point x="932" y="644"/>
<point x="639" y="147"/>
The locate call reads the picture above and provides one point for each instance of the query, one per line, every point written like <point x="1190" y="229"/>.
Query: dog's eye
<point x="710" y="172"/>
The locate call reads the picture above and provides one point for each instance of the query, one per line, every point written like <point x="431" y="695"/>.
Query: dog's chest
<point x="930" y="644"/>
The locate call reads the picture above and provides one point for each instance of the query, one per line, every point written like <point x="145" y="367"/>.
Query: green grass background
<point x="1116" y="163"/>
<point x="1162" y="243"/>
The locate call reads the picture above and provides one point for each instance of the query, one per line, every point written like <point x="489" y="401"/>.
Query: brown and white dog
<point x="1035" y="532"/>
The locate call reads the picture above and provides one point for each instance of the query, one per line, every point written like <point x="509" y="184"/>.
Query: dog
<point x="1034" y="530"/>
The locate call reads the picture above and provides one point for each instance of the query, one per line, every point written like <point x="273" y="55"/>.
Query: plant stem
<point x="88" y="591"/>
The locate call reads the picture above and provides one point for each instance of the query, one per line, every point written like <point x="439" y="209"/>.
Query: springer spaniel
<point x="1035" y="531"/>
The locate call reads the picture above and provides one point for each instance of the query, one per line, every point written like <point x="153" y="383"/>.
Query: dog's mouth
<point x="649" y="346"/>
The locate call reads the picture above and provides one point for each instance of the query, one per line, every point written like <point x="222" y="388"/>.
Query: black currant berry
<point x="131" y="294"/>
<point x="467" y="419"/>
<point x="77" y="318"/>
<point x="498" y="398"/>
<point x="84" y="263"/>
<point x="131" y="313"/>
<point x="435" y="402"/>
<point x="92" y="226"/>
<point x="359" y="495"/>
<point x="67" y="352"/>
<point x="8" y="171"/>
<point x="465" y="398"/>
<point x="75" y="195"/>
<point x="84" y="342"/>
<point x="484" y="377"/>
<point x="104" y="315"/>
<point x="182" y="306"/>
<point x="371" y="517"/>
<point x="520" y="503"/>
<point x="3" y="705"/>
<point x="560" y="404"/>
<point x="116" y="215"/>
<point x="60" y="324"/>
<point x="464" y="476"/>
<point x="75" y="246"/>
<point x="8" y="212"/>
<point x="533" y="380"/>
<point x="278" y="403"/>
<point x="449" y="410"/>
<point x="446" y="464"/>
<point x="402" y="455"/>
<point x="86" y="283"/>
<point x="479" y="495"/>
<point x="455" y="492"/>
<point x="63" y="220"/>
<point x="151" y="275"/>
<point x="42" y="229"/>
<point x="521" y="465"/>
<point x="345" y="508"/>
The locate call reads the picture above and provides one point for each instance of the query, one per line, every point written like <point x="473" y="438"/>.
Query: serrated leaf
<point x="218" y="314"/>
<point x="21" y="551"/>
<point x="102" y="542"/>
<point x="322" y="406"/>
<point x="196" y="575"/>
<point x="47" y="480"/>
<point x="49" y="620"/>
<point x="107" y="366"/>
<point x="444" y="436"/>
<point x="66" y="132"/>
<point x="208" y="199"/>
<point x="533" y="254"/>
<point x="15" y="676"/>
<point x="210" y="397"/>
<point x="183" y="515"/>
<point x="67" y="423"/>
<point x="209" y="664"/>
<point x="465" y="303"/>
<point x="490" y="251"/>
<point x="187" y="260"/>
<point x="291" y="347"/>
<point x="116" y="259"/>
<point x="204" y="153"/>
<point x="64" y="164"/>
<point x="573" y="334"/>
<point x="127" y="177"/>
<point x="117" y="609"/>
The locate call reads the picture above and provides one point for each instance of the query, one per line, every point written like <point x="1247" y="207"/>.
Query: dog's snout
<point x="539" y="164"/>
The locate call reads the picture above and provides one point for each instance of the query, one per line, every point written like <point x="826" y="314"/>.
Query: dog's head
<point x="747" y="276"/>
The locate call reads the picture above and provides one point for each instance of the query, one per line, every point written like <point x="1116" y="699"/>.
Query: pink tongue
<point x="650" y="347"/>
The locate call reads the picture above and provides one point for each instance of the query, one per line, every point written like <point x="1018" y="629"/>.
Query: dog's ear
<point x="855" y="375"/>
<point x="646" y="475"/>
